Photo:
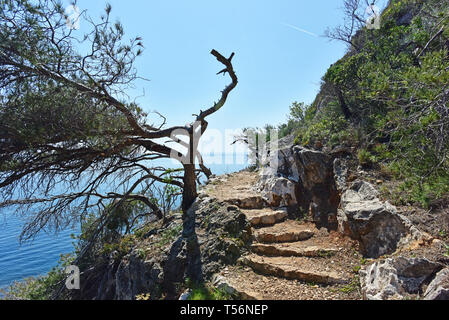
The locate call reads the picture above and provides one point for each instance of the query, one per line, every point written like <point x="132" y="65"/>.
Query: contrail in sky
<point x="299" y="29"/>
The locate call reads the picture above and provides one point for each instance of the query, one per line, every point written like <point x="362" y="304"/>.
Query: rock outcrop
<point x="135" y="276"/>
<point x="340" y="174"/>
<point x="161" y="263"/>
<point x="438" y="289"/>
<point x="279" y="192"/>
<point x="303" y="179"/>
<point x="375" y="224"/>
<point x="247" y="222"/>
<point x="315" y="182"/>
<point x="399" y="278"/>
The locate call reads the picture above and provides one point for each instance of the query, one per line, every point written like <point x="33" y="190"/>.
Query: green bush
<point x="326" y="128"/>
<point x="365" y="157"/>
<point x="395" y="87"/>
<point x="204" y="291"/>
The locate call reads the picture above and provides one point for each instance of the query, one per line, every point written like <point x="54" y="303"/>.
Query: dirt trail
<point x="290" y="259"/>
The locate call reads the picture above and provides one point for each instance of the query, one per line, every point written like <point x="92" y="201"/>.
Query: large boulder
<point x="396" y="278"/>
<point x="301" y="178"/>
<point x="279" y="192"/>
<point x="375" y="224"/>
<point x="438" y="289"/>
<point x="318" y="192"/>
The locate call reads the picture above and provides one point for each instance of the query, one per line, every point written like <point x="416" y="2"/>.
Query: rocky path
<point x="289" y="259"/>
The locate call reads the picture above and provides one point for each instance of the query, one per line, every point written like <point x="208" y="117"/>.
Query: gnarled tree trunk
<point x="189" y="193"/>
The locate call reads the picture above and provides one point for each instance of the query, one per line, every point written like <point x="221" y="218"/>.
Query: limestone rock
<point x="438" y="289"/>
<point x="313" y="166"/>
<point x="225" y="285"/>
<point x="395" y="278"/>
<point x="297" y="268"/>
<point x="279" y="192"/>
<point x="360" y="191"/>
<point x="299" y="177"/>
<point x="265" y="217"/>
<point x="134" y="277"/>
<point x="340" y="174"/>
<point x="375" y="224"/>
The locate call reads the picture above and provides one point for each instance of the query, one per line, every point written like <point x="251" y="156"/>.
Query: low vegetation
<point x="387" y="97"/>
<point x="205" y="291"/>
<point x="38" y="288"/>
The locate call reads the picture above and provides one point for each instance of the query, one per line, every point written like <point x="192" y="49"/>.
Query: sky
<point x="280" y="55"/>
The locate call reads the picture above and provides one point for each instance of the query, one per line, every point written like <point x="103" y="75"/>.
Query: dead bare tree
<point x="67" y="127"/>
<point x="356" y="13"/>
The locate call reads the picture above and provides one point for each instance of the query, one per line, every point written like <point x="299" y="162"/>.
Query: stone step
<point x="248" y="202"/>
<point x="245" y="284"/>
<point x="296" y="268"/>
<point x="224" y="284"/>
<point x="265" y="217"/>
<point x="288" y="231"/>
<point x="295" y="249"/>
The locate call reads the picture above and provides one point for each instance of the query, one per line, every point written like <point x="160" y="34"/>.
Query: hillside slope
<point x="387" y="98"/>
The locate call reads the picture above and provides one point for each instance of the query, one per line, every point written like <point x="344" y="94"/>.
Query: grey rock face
<point x="219" y="239"/>
<point x="135" y="276"/>
<point x="395" y="279"/>
<point x="302" y="178"/>
<point x="375" y="224"/>
<point x="438" y="289"/>
<point x="340" y="173"/>
<point x="200" y="256"/>
<point x="279" y="192"/>
<point x="313" y="166"/>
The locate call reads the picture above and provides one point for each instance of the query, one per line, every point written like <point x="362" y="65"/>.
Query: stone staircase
<point x="292" y="250"/>
<point x="288" y="258"/>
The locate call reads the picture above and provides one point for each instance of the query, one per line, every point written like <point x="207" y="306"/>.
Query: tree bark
<point x="189" y="193"/>
<point x="344" y="107"/>
<point x="193" y="269"/>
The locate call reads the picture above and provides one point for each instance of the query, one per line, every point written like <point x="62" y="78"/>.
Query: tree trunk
<point x="193" y="269"/>
<point x="344" y="107"/>
<point x="189" y="193"/>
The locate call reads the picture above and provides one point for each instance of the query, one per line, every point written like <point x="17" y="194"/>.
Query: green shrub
<point x="365" y="157"/>
<point x="206" y="292"/>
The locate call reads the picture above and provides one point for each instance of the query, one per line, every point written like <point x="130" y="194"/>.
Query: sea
<point x="39" y="255"/>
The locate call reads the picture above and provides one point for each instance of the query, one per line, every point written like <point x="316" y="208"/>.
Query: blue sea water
<point x="32" y="258"/>
<point x="37" y="257"/>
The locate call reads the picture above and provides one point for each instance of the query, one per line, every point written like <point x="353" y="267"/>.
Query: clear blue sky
<point x="275" y="62"/>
